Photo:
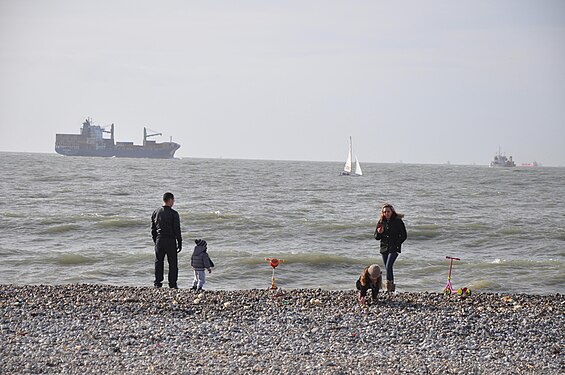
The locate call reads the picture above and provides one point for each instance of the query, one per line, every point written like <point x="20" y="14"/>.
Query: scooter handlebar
<point x="448" y="257"/>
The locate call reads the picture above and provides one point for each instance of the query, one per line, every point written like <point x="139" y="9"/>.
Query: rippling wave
<point x="121" y="222"/>
<point x="61" y="228"/>
<point x="73" y="259"/>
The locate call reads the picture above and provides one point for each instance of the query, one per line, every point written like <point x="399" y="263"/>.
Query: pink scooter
<point x="448" y="290"/>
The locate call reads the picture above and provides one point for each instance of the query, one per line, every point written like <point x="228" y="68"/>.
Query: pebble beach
<point x="101" y="329"/>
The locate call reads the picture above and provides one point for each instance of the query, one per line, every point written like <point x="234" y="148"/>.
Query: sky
<point x="414" y="81"/>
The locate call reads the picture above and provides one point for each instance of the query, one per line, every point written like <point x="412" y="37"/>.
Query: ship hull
<point x="168" y="153"/>
<point x="92" y="153"/>
<point x="150" y="154"/>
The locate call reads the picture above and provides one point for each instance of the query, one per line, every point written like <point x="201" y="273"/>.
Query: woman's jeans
<point x="388" y="260"/>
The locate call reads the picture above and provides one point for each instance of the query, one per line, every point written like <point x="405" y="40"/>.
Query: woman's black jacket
<point x="393" y="235"/>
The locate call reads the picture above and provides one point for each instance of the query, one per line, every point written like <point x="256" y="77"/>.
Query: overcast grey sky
<point x="417" y="81"/>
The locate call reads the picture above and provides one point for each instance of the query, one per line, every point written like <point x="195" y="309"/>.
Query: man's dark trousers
<point x="168" y="247"/>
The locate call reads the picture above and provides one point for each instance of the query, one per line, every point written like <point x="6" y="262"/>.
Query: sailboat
<point x="347" y="167"/>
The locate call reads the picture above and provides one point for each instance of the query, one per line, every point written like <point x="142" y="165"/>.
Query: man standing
<point x="165" y="230"/>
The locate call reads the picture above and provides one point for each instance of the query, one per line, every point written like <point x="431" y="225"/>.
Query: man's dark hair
<point x="168" y="196"/>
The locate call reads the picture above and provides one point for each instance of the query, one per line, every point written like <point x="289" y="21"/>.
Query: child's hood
<point x="200" y="247"/>
<point x="199" y="250"/>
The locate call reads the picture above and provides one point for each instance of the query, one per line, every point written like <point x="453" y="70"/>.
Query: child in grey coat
<point x="199" y="262"/>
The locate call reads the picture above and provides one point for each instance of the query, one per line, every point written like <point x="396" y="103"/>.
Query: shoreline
<point x="89" y="328"/>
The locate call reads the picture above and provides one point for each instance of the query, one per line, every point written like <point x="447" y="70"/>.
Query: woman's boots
<point x="390" y="286"/>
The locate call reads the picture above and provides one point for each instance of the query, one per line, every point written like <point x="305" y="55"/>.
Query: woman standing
<point x="392" y="233"/>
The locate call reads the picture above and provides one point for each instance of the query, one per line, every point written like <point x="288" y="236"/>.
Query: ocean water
<point x="87" y="220"/>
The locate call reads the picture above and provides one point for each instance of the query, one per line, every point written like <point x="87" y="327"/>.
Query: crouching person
<point x="371" y="278"/>
<point x="200" y="261"/>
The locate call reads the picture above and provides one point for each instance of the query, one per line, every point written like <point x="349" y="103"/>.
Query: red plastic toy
<point x="274" y="262"/>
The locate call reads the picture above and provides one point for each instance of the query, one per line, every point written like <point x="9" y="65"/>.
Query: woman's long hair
<point x="394" y="213"/>
<point x="365" y="276"/>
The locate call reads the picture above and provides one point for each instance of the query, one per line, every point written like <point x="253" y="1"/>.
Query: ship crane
<point x="107" y="131"/>
<point x="145" y="135"/>
<point x="111" y="132"/>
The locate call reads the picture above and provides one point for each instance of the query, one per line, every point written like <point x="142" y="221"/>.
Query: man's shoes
<point x="174" y="287"/>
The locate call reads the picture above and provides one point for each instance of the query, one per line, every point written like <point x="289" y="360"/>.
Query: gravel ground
<point x="100" y="329"/>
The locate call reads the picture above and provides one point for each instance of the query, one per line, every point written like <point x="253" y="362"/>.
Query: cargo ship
<point x="92" y="141"/>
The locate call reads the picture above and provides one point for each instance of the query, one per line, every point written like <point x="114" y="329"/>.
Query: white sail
<point x="347" y="167"/>
<point x="358" y="167"/>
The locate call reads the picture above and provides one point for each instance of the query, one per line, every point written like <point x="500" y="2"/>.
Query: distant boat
<point x="502" y="161"/>
<point x="91" y="142"/>
<point x="347" y="167"/>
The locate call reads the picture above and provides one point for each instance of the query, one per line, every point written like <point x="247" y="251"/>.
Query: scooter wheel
<point x="463" y="292"/>
<point x="447" y="291"/>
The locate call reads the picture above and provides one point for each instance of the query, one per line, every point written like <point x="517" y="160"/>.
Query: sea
<point x="83" y="220"/>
